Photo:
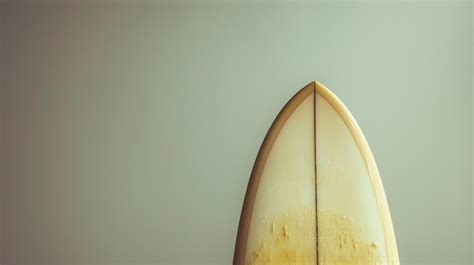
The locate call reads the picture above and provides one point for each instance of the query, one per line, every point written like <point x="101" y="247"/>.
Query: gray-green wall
<point x="2" y="148"/>
<point x="130" y="130"/>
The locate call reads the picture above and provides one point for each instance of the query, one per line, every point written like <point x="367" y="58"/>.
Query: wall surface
<point x="2" y="149"/>
<point x="131" y="130"/>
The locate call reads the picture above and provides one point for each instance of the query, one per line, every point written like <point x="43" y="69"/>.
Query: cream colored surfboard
<point x="315" y="195"/>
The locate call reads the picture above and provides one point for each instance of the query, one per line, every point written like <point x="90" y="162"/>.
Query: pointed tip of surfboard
<point x="315" y="86"/>
<point x="318" y="87"/>
<point x="310" y="86"/>
<point x="304" y="92"/>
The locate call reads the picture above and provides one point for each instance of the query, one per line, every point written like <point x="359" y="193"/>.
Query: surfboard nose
<point x="315" y="195"/>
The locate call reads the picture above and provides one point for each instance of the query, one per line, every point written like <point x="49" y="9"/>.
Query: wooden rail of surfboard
<point x="356" y="132"/>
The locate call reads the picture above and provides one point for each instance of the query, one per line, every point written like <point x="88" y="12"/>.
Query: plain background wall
<point x="130" y="130"/>
<point x="2" y="149"/>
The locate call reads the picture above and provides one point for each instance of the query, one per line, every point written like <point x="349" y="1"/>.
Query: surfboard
<point x="315" y="195"/>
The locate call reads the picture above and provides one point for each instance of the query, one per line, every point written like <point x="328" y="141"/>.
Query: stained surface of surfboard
<point x="315" y="194"/>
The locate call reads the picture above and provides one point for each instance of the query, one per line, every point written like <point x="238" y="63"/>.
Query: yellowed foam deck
<point x="315" y="195"/>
